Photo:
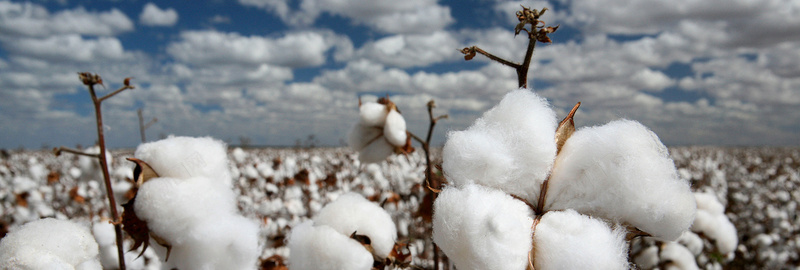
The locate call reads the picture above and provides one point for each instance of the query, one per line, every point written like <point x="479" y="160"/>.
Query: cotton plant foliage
<point x="326" y="241"/>
<point x="618" y="173"/>
<point x="49" y="244"/>
<point x="379" y="132"/>
<point x="190" y="208"/>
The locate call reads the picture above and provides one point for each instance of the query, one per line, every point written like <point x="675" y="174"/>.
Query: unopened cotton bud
<point x="323" y="248"/>
<point x="482" y="228"/>
<point x="621" y="171"/>
<point x="372" y="114"/>
<point x="395" y="129"/>
<point x="569" y="240"/>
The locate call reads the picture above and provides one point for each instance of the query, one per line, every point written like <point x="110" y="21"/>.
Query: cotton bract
<point x="49" y="244"/>
<point x="379" y="131"/>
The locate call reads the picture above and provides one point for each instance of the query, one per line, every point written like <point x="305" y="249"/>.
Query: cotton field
<point x="282" y="189"/>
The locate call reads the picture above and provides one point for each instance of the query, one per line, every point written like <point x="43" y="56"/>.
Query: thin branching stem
<point x="57" y="151"/>
<point x="123" y="88"/>
<point x="496" y="58"/>
<point x="104" y="165"/>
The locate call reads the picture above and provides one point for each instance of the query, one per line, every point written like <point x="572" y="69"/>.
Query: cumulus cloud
<point x="412" y="50"/>
<point x="71" y="47"/>
<point x="153" y="16"/>
<point x="414" y="16"/>
<point x="32" y="20"/>
<point x="297" y="49"/>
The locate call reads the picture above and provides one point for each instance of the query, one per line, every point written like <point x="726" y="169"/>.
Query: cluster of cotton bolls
<point x="618" y="172"/>
<point x="710" y="244"/>
<point x="286" y="187"/>
<point x="282" y="188"/>
<point x="759" y="188"/>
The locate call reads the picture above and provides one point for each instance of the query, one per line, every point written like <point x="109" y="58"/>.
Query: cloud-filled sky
<point x="716" y="72"/>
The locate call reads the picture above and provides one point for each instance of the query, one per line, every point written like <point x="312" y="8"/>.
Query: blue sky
<point x="717" y="72"/>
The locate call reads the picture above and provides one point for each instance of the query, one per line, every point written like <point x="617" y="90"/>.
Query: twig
<point x="90" y="80"/>
<point x="57" y="151"/>
<point x="142" y="125"/>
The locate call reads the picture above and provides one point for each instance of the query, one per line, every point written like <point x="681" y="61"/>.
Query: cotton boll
<point x="482" y="228"/>
<point x="372" y="114"/>
<point x="184" y="157"/>
<point x="351" y="212"/>
<point x="376" y="151"/>
<point x="569" y="240"/>
<point x="708" y="202"/>
<point x="395" y="129"/>
<point x="239" y="155"/>
<point x="172" y="206"/>
<point x="511" y="147"/>
<point x="678" y="256"/>
<point x="711" y="221"/>
<point x="692" y="242"/>
<point x="361" y="136"/>
<point x="647" y="258"/>
<point x="621" y="171"/>
<point x="47" y="244"/>
<point x="323" y="248"/>
<point x="229" y="242"/>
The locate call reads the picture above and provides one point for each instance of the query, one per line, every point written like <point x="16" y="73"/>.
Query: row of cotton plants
<point x="278" y="190"/>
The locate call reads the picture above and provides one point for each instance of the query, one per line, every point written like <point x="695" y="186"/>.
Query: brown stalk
<point x="57" y="151"/>
<point x="536" y="33"/>
<point x="90" y="80"/>
<point x="142" y="125"/>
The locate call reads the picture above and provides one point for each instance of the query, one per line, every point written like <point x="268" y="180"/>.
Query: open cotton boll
<point x="372" y="114"/>
<point x="351" y="212"/>
<point x="621" y="171"/>
<point x="570" y="240"/>
<point x="172" y="206"/>
<point x="712" y="222"/>
<point x="679" y="256"/>
<point x="395" y="129"/>
<point x="227" y="242"/>
<point x="376" y="151"/>
<point x="184" y="157"/>
<point x="361" y="136"/>
<point x="323" y="248"/>
<point x="49" y="244"/>
<point x="511" y="147"/>
<point x="482" y="228"/>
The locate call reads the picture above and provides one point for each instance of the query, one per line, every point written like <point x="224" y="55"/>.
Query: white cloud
<point x="412" y="50"/>
<point x="32" y="20"/>
<point x="62" y="48"/>
<point x="153" y="16"/>
<point x="411" y="16"/>
<point x="297" y="49"/>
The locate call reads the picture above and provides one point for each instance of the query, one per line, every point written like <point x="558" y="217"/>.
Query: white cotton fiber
<point x="511" y="147"/>
<point x="372" y="114"/>
<point x="361" y="136"/>
<point x="376" y="151"/>
<point x="569" y="240"/>
<point x="323" y="248"/>
<point x="712" y="222"/>
<point x="482" y="228"/>
<point x="49" y="244"/>
<point x="351" y="212"/>
<point x="395" y="129"/>
<point x="172" y="206"/>
<point x="621" y="171"/>
<point x="224" y="243"/>
<point x="183" y="157"/>
<point x="680" y="257"/>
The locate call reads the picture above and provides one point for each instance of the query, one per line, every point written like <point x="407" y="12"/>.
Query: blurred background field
<point x="281" y="187"/>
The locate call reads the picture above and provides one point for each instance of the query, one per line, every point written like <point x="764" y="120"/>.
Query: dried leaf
<point x="135" y="227"/>
<point x="53" y="177"/>
<point x="127" y="81"/>
<point x="22" y="199"/>
<point x="274" y="262"/>
<point x="566" y="128"/>
<point x="142" y="173"/>
<point x="400" y="256"/>
<point x="73" y="194"/>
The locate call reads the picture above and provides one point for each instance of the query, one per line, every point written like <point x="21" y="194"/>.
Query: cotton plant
<point x="711" y="241"/>
<point x="49" y="244"/>
<point x="380" y="131"/>
<point x="186" y="205"/>
<point x="543" y="195"/>
<point x="349" y="233"/>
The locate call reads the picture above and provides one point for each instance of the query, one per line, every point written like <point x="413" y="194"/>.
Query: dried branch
<point x="57" y="151"/>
